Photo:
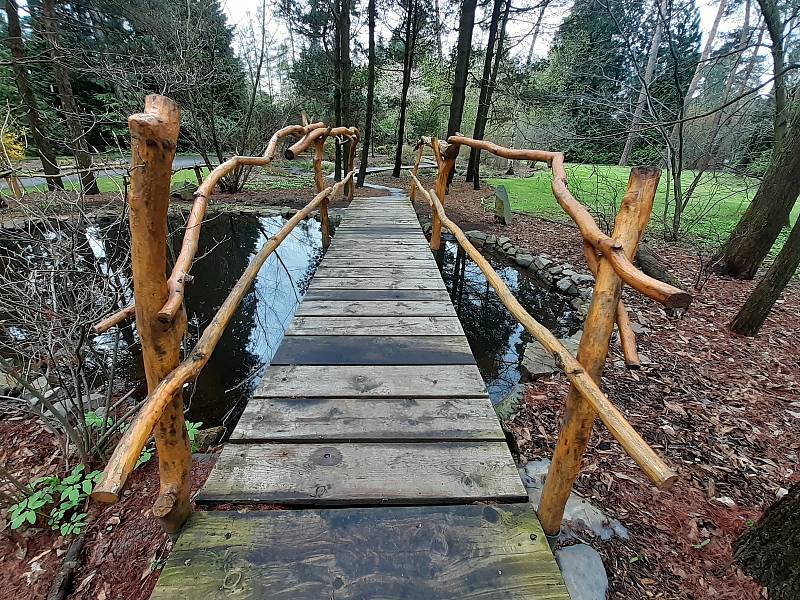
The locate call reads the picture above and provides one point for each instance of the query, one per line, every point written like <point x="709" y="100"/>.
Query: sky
<point x="239" y="12"/>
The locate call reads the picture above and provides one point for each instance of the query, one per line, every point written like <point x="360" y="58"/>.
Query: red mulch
<point x="125" y="545"/>
<point x="723" y="409"/>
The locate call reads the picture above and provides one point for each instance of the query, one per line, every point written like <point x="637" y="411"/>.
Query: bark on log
<point x="579" y="414"/>
<point x="154" y="138"/>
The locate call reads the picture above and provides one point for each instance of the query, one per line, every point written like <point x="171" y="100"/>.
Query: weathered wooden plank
<point x="389" y="258"/>
<point x="376" y="308"/>
<point x="358" y="294"/>
<point x="375" y="283"/>
<point x="421" y="381"/>
<point x="335" y="474"/>
<point x="375" y="325"/>
<point x="476" y="552"/>
<point x="379" y="245"/>
<point x="378" y="272"/>
<point x="376" y="419"/>
<point x="373" y="350"/>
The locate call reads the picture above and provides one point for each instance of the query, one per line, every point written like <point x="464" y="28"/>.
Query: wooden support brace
<point x="154" y="138"/>
<point x="579" y="414"/>
<point x="319" y="181"/>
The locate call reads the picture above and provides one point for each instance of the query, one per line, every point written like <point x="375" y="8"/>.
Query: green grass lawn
<point x="714" y="209"/>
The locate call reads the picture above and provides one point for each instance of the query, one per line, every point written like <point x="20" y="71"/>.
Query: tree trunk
<point x="752" y="315"/>
<point x="483" y="104"/>
<point x="408" y="59"/>
<point x="438" y="18"/>
<point x="775" y="26"/>
<point x="337" y="97"/>
<point x="760" y="225"/>
<point x="536" y="29"/>
<point x="770" y="551"/>
<point x="641" y="102"/>
<point x="466" y="24"/>
<point x="80" y="148"/>
<point x="484" y="115"/>
<point x="14" y="42"/>
<point x="367" y="139"/>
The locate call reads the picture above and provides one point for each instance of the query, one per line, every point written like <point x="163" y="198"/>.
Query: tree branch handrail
<point x="128" y="450"/>
<point x="656" y="469"/>
<point x="659" y="291"/>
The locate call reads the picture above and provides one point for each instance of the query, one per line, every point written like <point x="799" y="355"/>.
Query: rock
<point x="577" y="303"/>
<point x="536" y="361"/>
<point x="554" y="270"/>
<point x="208" y="437"/>
<point x="587" y="293"/>
<point x="511" y="251"/>
<point x="581" y="279"/>
<point x="568" y="272"/>
<point x="566" y="286"/>
<point x="524" y="260"/>
<point x="476" y="235"/>
<point x="725" y="501"/>
<point x="566" y="266"/>
<point x="542" y="262"/>
<point x="491" y="240"/>
<point x="503" y="241"/>
<point x="508" y="405"/>
<point x="583" y="572"/>
<point x="545" y="276"/>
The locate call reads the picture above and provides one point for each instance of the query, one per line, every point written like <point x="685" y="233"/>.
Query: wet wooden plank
<point x="375" y="325"/>
<point x="335" y="474"/>
<point x="376" y="308"/>
<point x="373" y="350"/>
<point x="475" y="552"/>
<point x="376" y="283"/>
<point x="377" y="272"/>
<point x="375" y="419"/>
<point x="378" y="261"/>
<point x="418" y="381"/>
<point x="356" y="294"/>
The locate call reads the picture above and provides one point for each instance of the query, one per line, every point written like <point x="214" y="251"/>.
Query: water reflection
<point x="227" y="243"/>
<point x="496" y="339"/>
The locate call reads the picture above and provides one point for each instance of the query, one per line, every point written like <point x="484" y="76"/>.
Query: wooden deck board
<point x="345" y="474"/>
<point x="375" y="419"/>
<point x="376" y="308"/>
<point x="419" y="381"/>
<point x="373" y="350"/>
<point x="375" y="325"/>
<point x="493" y="552"/>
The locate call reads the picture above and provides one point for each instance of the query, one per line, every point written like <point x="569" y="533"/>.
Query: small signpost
<point x="502" y="206"/>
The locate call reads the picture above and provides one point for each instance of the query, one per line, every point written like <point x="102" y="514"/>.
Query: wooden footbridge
<point x="370" y="463"/>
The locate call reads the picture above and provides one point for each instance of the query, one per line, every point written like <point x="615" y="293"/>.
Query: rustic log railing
<point x="316" y="133"/>
<point x="160" y="319"/>
<point x="609" y="259"/>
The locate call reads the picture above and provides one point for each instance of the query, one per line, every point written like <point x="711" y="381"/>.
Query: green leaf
<point x="17" y="521"/>
<point x="702" y="544"/>
<point x="31" y="516"/>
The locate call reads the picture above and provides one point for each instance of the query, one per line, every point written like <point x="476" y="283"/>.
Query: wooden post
<point x="579" y="415"/>
<point x="351" y="163"/>
<point x="415" y="170"/>
<point x="319" y="182"/>
<point x="15" y="186"/>
<point x="445" y="167"/>
<point x="154" y="137"/>
<point x="198" y="173"/>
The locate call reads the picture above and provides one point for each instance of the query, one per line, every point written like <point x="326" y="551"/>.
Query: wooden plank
<point x="377" y="272"/>
<point x="376" y="419"/>
<point x="420" y="381"/>
<point x="375" y="283"/>
<point x="376" y="308"/>
<point x="373" y="350"/>
<point x="379" y="245"/>
<point x="335" y="474"/>
<point x="375" y="326"/>
<point x="358" y="294"/>
<point x="394" y="261"/>
<point x="402" y="256"/>
<point x="474" y="552"/>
